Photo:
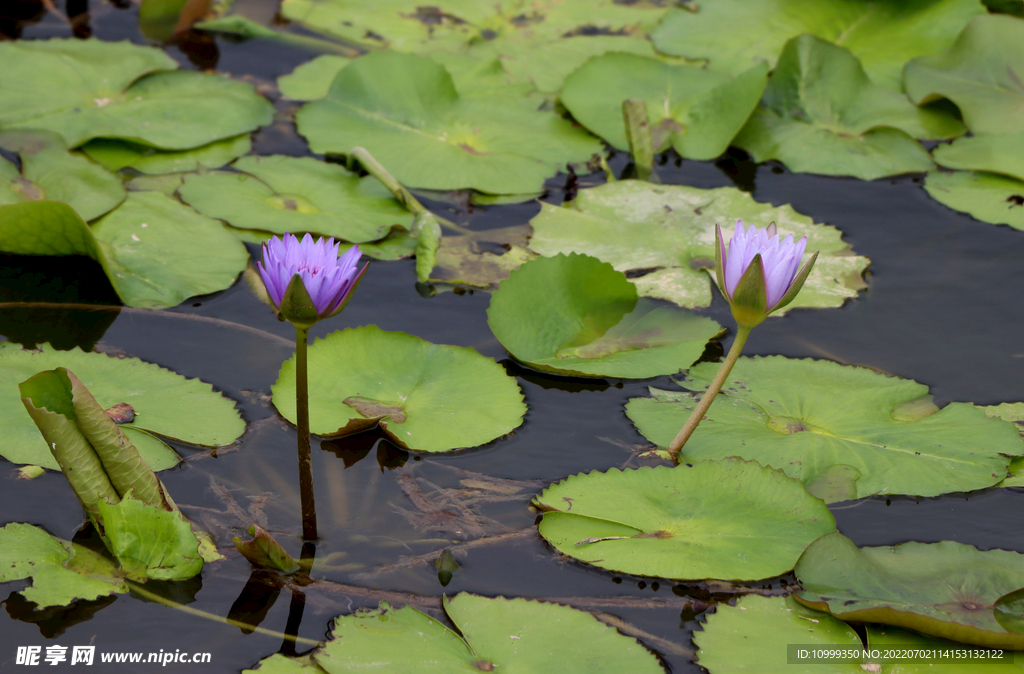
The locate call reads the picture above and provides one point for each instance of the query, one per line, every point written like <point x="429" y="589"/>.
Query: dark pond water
<point x="943" y="307"/>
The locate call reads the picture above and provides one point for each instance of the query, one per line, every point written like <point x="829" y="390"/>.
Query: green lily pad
<point x="115" y="155"/>
<point x="734" y="35"/>
<point x="982" y="73"/>
<point x="729" y="519"/>
<point x="61" y="571"/>
<point x="407" y="25"/>
<point x="50" y="172"/>
<point x="944" y="589"/>
<point x="821" y="114"/>
<point x="406" y="111"/>
<point x="805" y="416"/>
<point x="296" y="194"/>
<point x="1002" y="154"/>
<point x="638" y="226"/>
<point x="753" y="636"/>
<point x="575" y="315"/>
<point x="85" y="89"/>
<point x="150" y="542"/>
<point x="434" y="398"/>
<point x="311" y="80"/>
<point x="984" y="196"/>
<point x="696" y="111"/>
<point x="155" y="251"/>
<point x="765" y="634"/>
<point x="165" y="403"/>
<point x="513" y="635"/>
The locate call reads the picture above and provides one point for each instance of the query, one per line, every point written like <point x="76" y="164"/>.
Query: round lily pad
<point x="735" y="34"/>
<point x="115" y="155"/>
<point x="425" y="397"/>
<point x="984" y="196"/>
<point x="501" y="635"/>
<point x="821" y="114"/>
<point x="981" y="72"/>
<point x="165" y="403"/>
<point x="806" y="416"/>
<point x="694" y="110"/>
<point x="85" y="89"/>
<point x="575" y="315"/>
<point x="296" y="194"/>
<point x="50" y="172"/>
<point x="729" y="519"/>
<point x="406" y="111"/>
<point x="944" y="589"/>
<point x="1000" y="153"/>
<point x="755" y="636"/>
<point x="639" y="227"/>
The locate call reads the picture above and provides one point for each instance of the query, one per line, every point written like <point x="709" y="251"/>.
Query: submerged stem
<point x="709" y="395"/>
<point x="302" y="422"/>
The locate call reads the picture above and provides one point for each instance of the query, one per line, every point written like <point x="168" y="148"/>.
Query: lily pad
<point x="944" y="589"/>
<point x="729" y="519"/>
<point x="696" y="111"/>
<point x="150" y="542"/>
<point x="115" y="155"/>
<point x="155" y="251"/>
<point x="296" y="194"/>
<point x="821" y="114"/>
<point x="638" y="227"/>
<point x="575" y="315"/>
<point x="983" y="73"/>
<point x="984" y="196"/>
<point x="753" y="636"/>
<point x="407" y="25"/>
<point x="1002" y="154"/>
<point x="734" y="35"/>
<point x="85" y="89"/>
<point x="513" y="635"/>
<point x="50" y="172"/>
<point x="165" y="403"/>
<point x="806" y="416"/>
<point x="406" y="111"/>
<point x="61" y="571"/>
<point x="311" y="80"/>
<point x="434" y="398"/>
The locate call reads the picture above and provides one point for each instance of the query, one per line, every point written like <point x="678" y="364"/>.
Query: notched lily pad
<point x="50" y="172"/>
<point x="670" y="229"/>
<point x="85" y="89"/>
<point x="296" y="194"/>
<point x="496" y="635"/>
<point x="166" y="403"/>
<point x="576" y="315"/>
<point x="735" y="34"/>
<point x="407" y="112"/>
<point x="820" y="114"/>
<point x="842" y="416"/>
<point x="696" y="111"/>
<point x="434" y="398"/>
<point x="982" y="73"/>
<point x="945" y="589"/>
<point x="61" y="571"/>
<point x="729" y="519"/>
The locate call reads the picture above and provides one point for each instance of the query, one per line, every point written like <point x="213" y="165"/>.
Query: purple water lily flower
<point x="774" y="284"/>
<point x="329" y="279"/>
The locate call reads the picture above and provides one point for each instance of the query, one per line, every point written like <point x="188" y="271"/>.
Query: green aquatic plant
<point x="758" y="274"/>
<point x="307" y="282"/>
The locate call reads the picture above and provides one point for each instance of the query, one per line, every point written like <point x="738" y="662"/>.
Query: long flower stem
<point x="709" y="395"/>
<point x="305" y="457"/>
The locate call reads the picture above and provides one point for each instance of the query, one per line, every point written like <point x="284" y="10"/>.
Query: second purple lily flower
<point x="759" y="272"/>
<point x="328" y="280"/>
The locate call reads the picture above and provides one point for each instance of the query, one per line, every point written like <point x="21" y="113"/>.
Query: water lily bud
<point x="759" y="273"/>
<point x="306" y="280"/>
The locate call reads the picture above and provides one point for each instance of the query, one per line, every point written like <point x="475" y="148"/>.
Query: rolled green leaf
<point x="121" y="461"/>
<point x="428" y="240"/>
<point x="49" y="400"/>
<point x="263" y="551"/>
<point x="638" y="134"/>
